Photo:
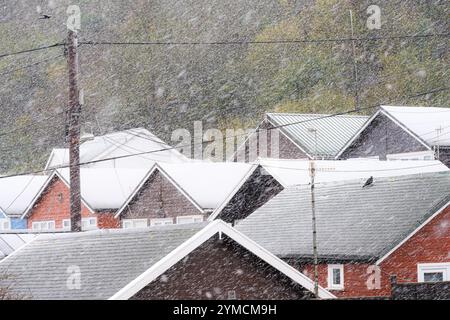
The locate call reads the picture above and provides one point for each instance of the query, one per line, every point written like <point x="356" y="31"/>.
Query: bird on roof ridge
<point x="368" y="183"/>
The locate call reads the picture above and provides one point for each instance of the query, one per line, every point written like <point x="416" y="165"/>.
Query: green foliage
<point x="168" y="87"/>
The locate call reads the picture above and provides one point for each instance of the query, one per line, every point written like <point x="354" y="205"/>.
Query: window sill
<point x="336" y="289"/>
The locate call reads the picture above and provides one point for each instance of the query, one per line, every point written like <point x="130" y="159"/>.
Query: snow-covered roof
<point x="3" y="214"/>
<point x="16" y="193"/>
<point x="120" y="145"/>
<point x="294" y="172"/>
<point x="58" y="157"/>
<point x="208" y="183"/>
<point x="10" y="242"/>
<point x="122" y="262"/>
<point x="430" y="124"/>
<point x="106" y="188"/>
<point x="352" y="222"/>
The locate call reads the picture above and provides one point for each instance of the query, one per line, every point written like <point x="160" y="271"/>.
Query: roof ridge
<point x="317" y="114"/>
<point x="413" y="176"/>
<point x="113" y="232"/>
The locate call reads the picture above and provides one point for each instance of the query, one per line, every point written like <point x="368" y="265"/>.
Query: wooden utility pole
<point x="74" y="133"/>
<point x="312" y="170"/>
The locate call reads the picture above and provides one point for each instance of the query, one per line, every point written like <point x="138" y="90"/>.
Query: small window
<point x="161" y="222"/>
<point x="5" y="224"/>
<point x="43" y="225"/>
<point x="231" y="295"/>
<point x="89" y="223"/>
<point x="134" y="223"/>
<point x="189" y="219"/>
<point x="60" y="197"/>
<point x="433" y="272"/>
<point x="336" y="276"/>
<point x="66" y="224"/>
<point x="433" y="276"/>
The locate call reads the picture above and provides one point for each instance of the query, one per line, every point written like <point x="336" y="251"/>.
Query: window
<point x="161" y="221"/>
<point x="231" y="295"/>
<point x="433" y="272"/>
<point x="43" y="225"/>
<point x="134" y="223"/>
<point x="336" y="276"/>
<point x="86" y="224"/>
<point x="66" y="224"/>
<point x="422" y="155"/>
<point x="189" y="219"/>
<point x="5" y="224"/>
<point x="89" y="223"/>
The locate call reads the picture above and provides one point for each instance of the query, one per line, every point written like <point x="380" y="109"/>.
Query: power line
<point x="32" y="64"/>
<point x="356" y="171"/>
<point x="31" y="50"/>
<point x="245" y="42"/>
<point x="210" y="141"/>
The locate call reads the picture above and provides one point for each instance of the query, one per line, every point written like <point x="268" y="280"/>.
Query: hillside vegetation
<point x="165" y="87"/>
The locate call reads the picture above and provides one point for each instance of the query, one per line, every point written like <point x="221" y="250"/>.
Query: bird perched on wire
<point x="368" y="183"/>
<point x="45" y="16"/>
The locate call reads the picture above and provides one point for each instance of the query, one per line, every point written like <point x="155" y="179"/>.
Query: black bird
<point x="369" y="182"/>
<point x="45" y="16"/>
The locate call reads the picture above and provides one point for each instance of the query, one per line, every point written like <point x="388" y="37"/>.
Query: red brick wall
<point x="431" y="244"/>
<point x="217" y="267"/>
<point x="54" y="204"/>
<point x="148" y="200"/>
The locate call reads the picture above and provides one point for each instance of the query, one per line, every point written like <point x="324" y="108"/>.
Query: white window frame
<point x="194" y="218"/>
<point x="161" y="222"/>
<point x="331" y="285"/>
<point x="132" y="223"/>
<point x="40" y="225"/>
<point x="89" y="225"/>
<point x="420" y="155"/>
<point x="66" y="228"/>
<point x="231" y="295"/>
<point x="5" y="222"/>
<point x="423" y="268"/>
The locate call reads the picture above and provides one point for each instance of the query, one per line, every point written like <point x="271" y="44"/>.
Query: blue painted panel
<point x="17" y="223"/>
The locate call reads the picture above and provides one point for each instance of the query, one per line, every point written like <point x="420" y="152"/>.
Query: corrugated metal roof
<point x="332" y="131"/>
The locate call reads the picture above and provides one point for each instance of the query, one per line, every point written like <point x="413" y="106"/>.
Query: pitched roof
<point x="117" y="263"/>
<point x="289" y="172"/>
<point x="352" y="222"/>
<point x="293" y="172"/>
<point x="16" y="193"/>
<point x="428" y="125"/>
<point x="206" y="184"/>
<point x="424" y="122"/>
<point x="106" y="188"/>
<point x="58" y="157"/>
<point x="108" y="260"/>
<point x="332" y="131"/>
<point x="10" y="242"/>
<point x="119" y="144"/>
